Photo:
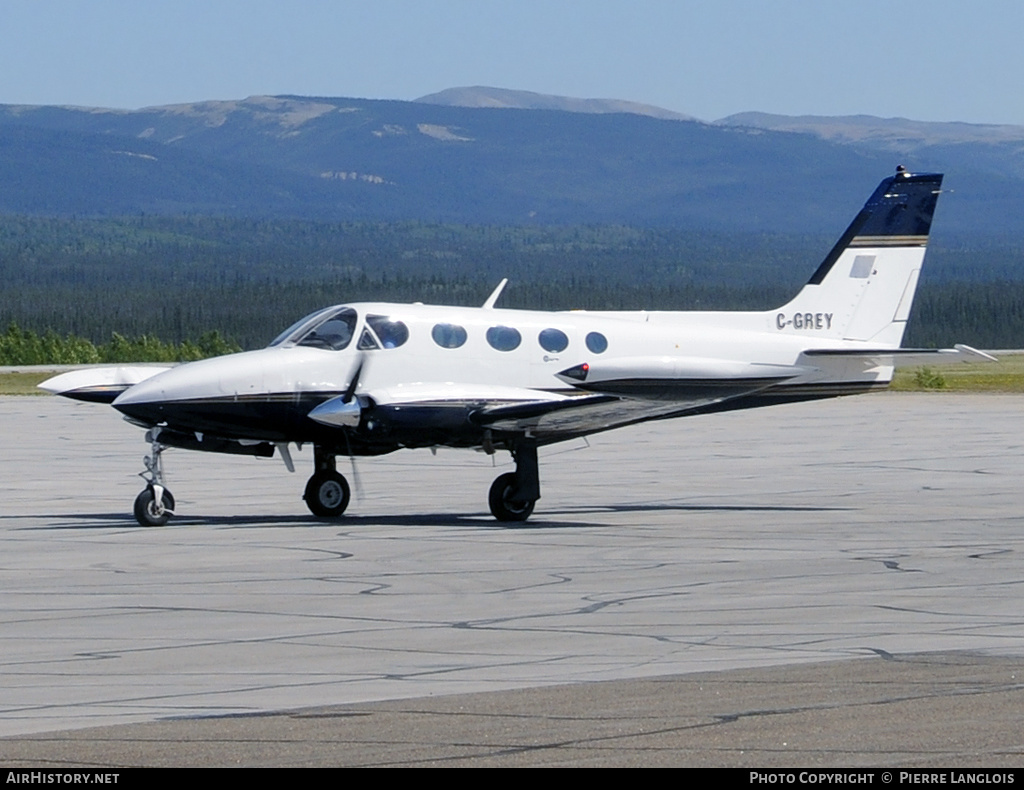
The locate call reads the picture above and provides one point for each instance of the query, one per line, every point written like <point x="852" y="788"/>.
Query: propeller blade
<point x="350" y="392"/>
<point x="355" y="470"/>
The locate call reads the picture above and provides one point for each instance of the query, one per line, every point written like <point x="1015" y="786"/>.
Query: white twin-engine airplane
<point x="371" y="378"/>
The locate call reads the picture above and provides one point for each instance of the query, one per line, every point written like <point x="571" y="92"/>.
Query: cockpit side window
<point x="391" y="333"/>
<point x="334" y="332"/>
<point x="367" y="342"/>
<point x="292" y="333"/>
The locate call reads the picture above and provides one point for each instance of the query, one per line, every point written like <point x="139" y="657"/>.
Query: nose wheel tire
<point x="149" y="512"/>
<point x="327" y="494"/>
<point x="502" y="507"/>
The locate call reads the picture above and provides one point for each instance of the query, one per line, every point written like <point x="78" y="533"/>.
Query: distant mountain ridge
<point x="842" y="128"/>
<point x="863" y="128"/>
<point x="565" y="161"/>
<point x="503" y="98"/>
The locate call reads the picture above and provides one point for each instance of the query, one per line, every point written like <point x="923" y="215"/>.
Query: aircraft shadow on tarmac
<point x="574" y="517"/>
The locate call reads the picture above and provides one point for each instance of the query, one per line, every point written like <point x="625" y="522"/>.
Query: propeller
<point x="347" y="398"/>
<point x="355" y="470"/>
<point x="345" y="410"/>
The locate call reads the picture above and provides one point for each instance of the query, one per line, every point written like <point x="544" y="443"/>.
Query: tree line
<point x="169" y="280"/>
<point x="24" y="347"/>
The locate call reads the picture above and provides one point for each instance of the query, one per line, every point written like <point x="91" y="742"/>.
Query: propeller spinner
<point x="343" y="411"/>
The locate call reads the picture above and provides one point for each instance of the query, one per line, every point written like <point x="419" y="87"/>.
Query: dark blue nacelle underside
<point x="284" y="418"/>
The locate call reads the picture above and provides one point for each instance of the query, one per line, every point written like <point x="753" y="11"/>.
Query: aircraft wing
<point x="550" y="421"/>
<point x="546" y="416"/>
<point x="623" y="392"/>
<point x="616" y="394"/>
<point x="606" y="395"/>
<point x="436" y="403"/>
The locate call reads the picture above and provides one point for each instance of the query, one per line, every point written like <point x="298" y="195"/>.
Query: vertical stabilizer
<point x="864" y="288"/>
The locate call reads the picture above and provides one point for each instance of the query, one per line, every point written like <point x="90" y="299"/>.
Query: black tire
<point x="501" y="507"/>
<point x="148" y="513"/>
<point x="327" y="494"/>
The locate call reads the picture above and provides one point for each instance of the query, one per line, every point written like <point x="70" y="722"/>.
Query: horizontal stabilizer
<point x="905" y="357"/>
<point x="99" y="385"/>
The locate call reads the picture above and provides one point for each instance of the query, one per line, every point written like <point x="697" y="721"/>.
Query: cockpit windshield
<point x="331" y="329"/>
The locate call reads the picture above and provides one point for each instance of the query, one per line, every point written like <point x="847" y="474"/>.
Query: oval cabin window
<point x="597" y="342"/>
<point x="448" y="335"/>
<point x="504" y="338"/>
<point x="553" y="340"/>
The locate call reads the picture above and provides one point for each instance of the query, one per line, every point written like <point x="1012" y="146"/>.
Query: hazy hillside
<point x="944" y="146"/>
<point x="502" y="98"/>
<point x="337" y="159"/>
<point x="893" y="132"/>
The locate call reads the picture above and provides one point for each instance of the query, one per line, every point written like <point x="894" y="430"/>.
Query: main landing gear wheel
<point x="327" y="494"/>
<point x="151" y="513"/>
<point x="502" y="507"/>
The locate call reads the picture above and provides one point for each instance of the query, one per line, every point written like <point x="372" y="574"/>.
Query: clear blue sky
<point x="937" y="60"/>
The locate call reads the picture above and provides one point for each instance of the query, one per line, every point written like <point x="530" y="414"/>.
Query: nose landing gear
<point x="155" y="504"/>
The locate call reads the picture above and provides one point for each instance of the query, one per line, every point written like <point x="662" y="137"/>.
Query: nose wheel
<point x="153" y="509"/>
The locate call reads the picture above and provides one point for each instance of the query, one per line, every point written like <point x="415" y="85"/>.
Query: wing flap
<point x="549" y="421"/>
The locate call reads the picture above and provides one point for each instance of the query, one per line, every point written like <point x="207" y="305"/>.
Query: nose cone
<point x="263" y="395"/>
<point x="181" y="395"/>
<point x="150" y="401"/>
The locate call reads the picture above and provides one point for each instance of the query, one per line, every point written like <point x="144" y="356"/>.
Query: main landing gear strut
<point x="327" y="492"/>
<point x="514" y="494"/>
<point x="155" y="504"/>
<point x="511" y="498"/>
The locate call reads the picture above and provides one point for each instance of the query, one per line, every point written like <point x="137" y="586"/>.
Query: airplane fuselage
<point x="513" y="356"/>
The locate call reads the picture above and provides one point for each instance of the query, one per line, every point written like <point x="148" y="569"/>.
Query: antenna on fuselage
<point x="489" y="304"/>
